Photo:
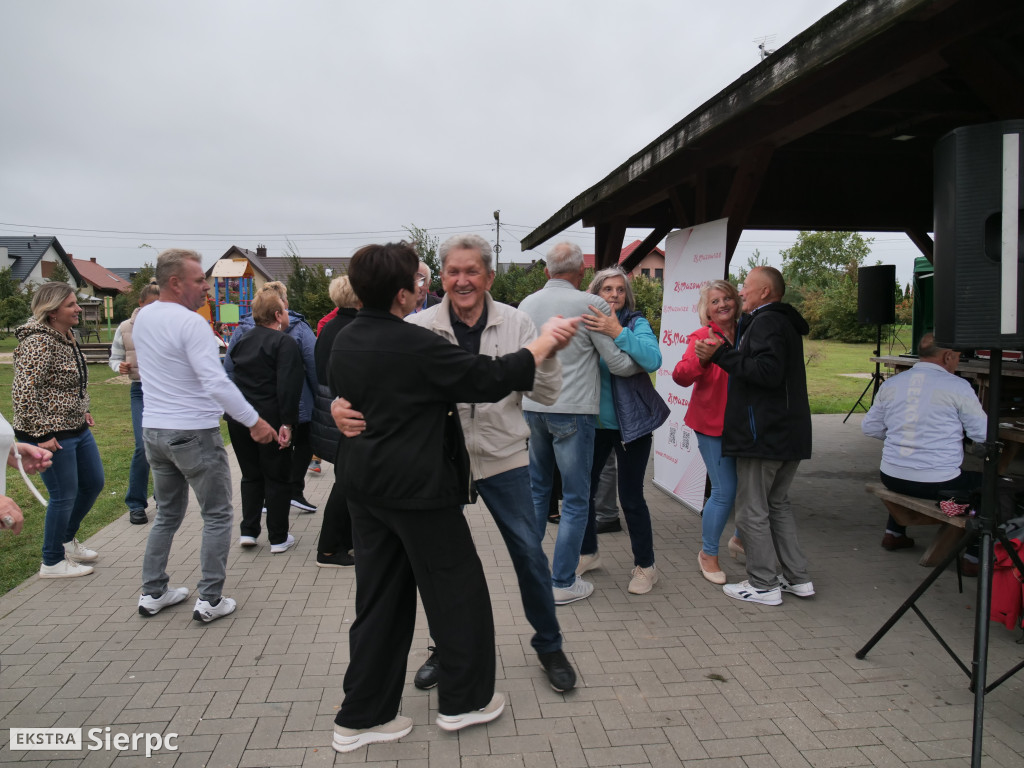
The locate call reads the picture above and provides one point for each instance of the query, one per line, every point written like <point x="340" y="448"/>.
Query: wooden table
<point x="974" y="369"/>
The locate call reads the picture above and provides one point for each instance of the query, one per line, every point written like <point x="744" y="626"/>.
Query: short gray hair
<point x="171" y="263"/>
<point x="605" y="274"/>
<point x="564" y="258"/>
<point x="466" y="242"/>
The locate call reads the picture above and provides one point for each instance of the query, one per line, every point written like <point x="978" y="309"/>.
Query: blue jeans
<point x="722" y="471"/>
<point x="138" y="472"/>
<point x="73" y="482"/>
<point x="181" y="459"/>
<point x="631" y="461"/>
<point x="565" y="439"/>
<point x="507" y="496"/>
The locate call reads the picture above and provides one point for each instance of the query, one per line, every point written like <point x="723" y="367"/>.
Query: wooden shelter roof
<point x="833" y="131"/>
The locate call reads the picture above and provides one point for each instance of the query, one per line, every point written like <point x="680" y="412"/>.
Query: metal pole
<point x="497" y="242"/>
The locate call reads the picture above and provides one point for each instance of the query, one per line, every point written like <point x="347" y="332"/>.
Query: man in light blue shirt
<point x="922" y="415"/>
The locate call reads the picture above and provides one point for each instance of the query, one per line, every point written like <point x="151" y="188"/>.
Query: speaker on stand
<point x="979" y="187"/>
<point x="876" y="305"/>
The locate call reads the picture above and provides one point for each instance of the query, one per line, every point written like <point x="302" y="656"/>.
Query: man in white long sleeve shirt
<point x="187" y="391"/>
<point x="922" y="415"/>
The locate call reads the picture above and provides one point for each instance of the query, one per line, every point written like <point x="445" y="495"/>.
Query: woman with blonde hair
<point x="51" y="409"/>
<point x="268" y="370"/>
<point x="335" y="542"/>
<point x="719" y="311"/>
<point x="298" y="329"/>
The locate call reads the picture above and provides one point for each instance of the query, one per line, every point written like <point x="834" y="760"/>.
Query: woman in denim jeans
<point x="123" y="361"/>
<point x="51" y="409"/>
<point x="719" y="310"/>
<point x="625" y="425"/>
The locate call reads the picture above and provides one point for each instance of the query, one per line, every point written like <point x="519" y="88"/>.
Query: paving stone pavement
<point x="682" y="676"/>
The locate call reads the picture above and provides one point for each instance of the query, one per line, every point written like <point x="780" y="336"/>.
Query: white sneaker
<point x="580" y="590"/>
<point x="349" y="739"/>
<point x="491" y="712"/>
<point x="743" y="591"/>
<point x="65" y="569"/>
<point x="284" y="546"/>
<point x="75" y="551"/>
<point x="247" y="541"/>
<point x="588" y="563"/>
<point x="643" y="580"/>
<point x="151" y="606"/>
<point x="207" y="612"/>
<point x="800" y="590"/>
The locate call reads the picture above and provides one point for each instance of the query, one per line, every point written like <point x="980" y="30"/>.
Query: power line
<point x="77" y="231"/>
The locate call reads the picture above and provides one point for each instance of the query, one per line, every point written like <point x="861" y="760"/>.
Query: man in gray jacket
<point x="496" y="437"/>
<point x="562" y="433"/>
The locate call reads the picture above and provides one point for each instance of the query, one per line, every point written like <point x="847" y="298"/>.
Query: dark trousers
<point x="302" y="452"/>
<point x="396" y="552"/>
<point x="336" y="526"/>
<point x="965" y="481"/>
<point x="631" y="461"/>
<point x="266" y="474"/>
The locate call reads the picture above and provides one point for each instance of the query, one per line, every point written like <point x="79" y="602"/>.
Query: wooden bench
<point x="95" y="353"/>
<point x="910" y="510"/>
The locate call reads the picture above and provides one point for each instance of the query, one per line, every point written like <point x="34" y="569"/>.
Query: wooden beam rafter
<point x="648" y="244"/>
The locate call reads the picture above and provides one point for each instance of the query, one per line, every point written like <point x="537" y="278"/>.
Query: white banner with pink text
<point x="693" y="258"/>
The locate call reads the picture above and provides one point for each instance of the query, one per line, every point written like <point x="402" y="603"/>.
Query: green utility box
<point x="924" y="300"/>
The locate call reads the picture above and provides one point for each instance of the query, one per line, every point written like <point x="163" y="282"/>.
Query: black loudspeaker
<point x="976" y="168"/>
<point x="876" y="295"/>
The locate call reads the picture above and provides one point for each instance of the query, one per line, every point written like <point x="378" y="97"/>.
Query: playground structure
<point x="235" y="282"/>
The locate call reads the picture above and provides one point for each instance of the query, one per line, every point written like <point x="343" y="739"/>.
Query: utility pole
<point x="497" y="244"/>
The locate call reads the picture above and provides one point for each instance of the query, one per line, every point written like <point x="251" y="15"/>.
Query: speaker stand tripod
<point x="986" y="531"/>
<point x="876" y="377"/>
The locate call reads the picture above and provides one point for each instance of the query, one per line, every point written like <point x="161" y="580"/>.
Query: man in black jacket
<point x="405" y="478"/>
<point x="768" y="430"/>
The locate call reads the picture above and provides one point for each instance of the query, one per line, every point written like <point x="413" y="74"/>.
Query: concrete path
<point x="682" y="676"/>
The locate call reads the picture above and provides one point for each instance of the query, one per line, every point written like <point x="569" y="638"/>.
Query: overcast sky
<point x="210" y="124"/>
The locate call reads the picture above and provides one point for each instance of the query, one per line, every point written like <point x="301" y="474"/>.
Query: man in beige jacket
<point x="496" y="436"/>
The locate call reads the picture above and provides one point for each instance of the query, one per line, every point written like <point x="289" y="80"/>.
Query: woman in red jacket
<point x="719" y="310"/>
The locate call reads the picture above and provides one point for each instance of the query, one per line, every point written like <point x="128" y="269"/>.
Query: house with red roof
<point x="652" y="265"/>
<point x="99" y="281"/>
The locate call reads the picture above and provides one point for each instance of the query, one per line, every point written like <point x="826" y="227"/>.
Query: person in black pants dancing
<point x="405" y="477"/>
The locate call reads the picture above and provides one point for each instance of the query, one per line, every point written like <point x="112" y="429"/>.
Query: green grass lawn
<point x="20" y="556"/>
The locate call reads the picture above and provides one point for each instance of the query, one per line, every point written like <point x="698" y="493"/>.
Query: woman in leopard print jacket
<point x="51" y="409"/>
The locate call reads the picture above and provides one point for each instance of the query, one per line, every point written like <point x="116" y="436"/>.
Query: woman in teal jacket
<point x="630" y="411"/>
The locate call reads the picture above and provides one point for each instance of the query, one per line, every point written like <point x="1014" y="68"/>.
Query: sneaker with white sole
<point x="206" y="611"/>
<point x="305" y="506"/>
<point x="247" y="541"/>
<point x="580" y="590"/>
<point x="151" y="606"/>
<point x="284" y="546"/>
<point x="643" y="580"/>
<point x="744" y="591"/>
<point x="75" y="550"/>
<point x="800" y="590"/>
<point x="350" y="739"/>
<point x="588" y="563"/>
<point x="466" y="719"/>
<point x="65" y="569"/>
